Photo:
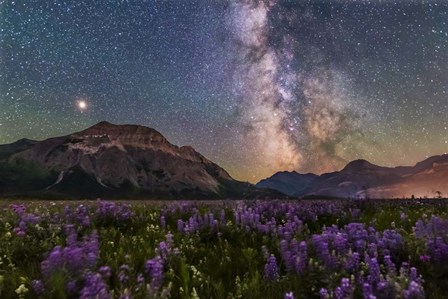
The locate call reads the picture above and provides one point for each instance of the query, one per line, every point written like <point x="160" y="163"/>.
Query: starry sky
<point x="255" y="86"/>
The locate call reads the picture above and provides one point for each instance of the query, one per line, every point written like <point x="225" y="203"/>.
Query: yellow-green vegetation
<point x="226" y="249"/>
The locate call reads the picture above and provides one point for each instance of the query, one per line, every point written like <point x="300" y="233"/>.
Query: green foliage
<point x="227" y="264"/>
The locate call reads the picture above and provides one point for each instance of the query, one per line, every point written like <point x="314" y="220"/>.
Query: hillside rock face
<point x="108" y="159"/>
<point x="289" y="183"/>
<point x="6" y="150"/>
<point x="361" y="179"/>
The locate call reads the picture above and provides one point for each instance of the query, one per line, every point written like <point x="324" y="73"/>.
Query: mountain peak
<point x="115" y="160"/>
<point x="107" y="126"/>
<point x="359" y="165"/>
<point x="25" y="141"/>
<point x="127" y="134"/>
<point x="290" y="183"/>
<point x="103" y="123"/>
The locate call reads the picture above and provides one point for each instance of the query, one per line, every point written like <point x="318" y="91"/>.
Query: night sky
<point x="256" y="86"/>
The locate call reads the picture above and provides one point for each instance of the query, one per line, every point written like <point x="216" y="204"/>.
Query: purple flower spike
<point x="425" y="258"/>
<point x="154" y="268"/>
<point x="94" y="287"/>
<point x="38" y="287"/>
<point x="289" y="295"/>
<point x="105" y="271"/>
<point x="415" y="291"/>
<point x="324" y="294"/>
<point x="271" y="269"/>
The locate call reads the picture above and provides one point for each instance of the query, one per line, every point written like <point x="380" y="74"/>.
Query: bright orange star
<point x="82" y="105"/>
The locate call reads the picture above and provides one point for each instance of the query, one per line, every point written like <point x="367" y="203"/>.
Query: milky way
<point x="298" y="119"/>
<point x="264" y="102"/>
<point x="256" y="86"/>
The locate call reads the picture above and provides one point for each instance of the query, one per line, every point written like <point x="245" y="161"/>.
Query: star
<point x="257" y="86"/>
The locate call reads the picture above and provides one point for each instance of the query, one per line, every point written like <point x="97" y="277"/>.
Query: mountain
<point x="289" y="183"/>
<point x="6" y="150"/>
<point x="361" y="179"/>
<point x="424" y="179"/>
<point x="115" y="161"/>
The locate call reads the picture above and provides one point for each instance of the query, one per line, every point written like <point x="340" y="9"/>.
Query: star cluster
<point x="256" y="86"/>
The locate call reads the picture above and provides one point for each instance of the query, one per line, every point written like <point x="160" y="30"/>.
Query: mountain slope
<point x="289" y="183"/>
<point x="361" y="179"/>
<point x="126" y="160"/>
<point x="424" y="179"/>
<point x="7" y="150"/>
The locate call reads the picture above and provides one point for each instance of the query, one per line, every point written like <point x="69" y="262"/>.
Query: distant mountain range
<point x="108" y="160"/>
<point x="361" y="179"/>
<point x="131" y="161"/>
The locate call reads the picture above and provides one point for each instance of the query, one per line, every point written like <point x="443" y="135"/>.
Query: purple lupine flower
<point x="18" y="231"/>
<point x="271" y="268"/>
<point x="324" y="293"/>
<point x="294" y="245"/>
<point x="287" y="256"/>
<point x="284" y="245"/>
<point x="71" y="236"/>
<point x="38" y="287"/>
<point x="169" y="237"/>
<point x="302" y="257"/>
<point x="425" y="258"/>
<point x="123" y="275"/>
<point x="71" y="287"/>
<point x="338" y="293"/>
<point x="322" y="250"/>
<point x="367" y="290"/>
<point x="287" y="233"/>
<point x="372" y="250"/>
<point x="374" y="272"/>
<point x="180" y="225"/>
<point x="154" y="268"/>
<point x="73" y="259"/>
<point x="391" y="268"/>
<point x="108" y="211"/>
<point x="413" y="274"/>
<point x="53" y="262"/>
<point x="391" y="240"/>
<point x="404" y="269"/>
<point x="222" y="217"/>
<point x="162" y="222"/>
<point x="352" y="262"/>
<point x="414" y="291"/>
<point x="340" y="243"/>
<point x="403" y="216"/>
<point x="438" y="250"/>
<point x="105" y="271"/>
<point x="18" y="209"/>
<point x="344" y="290"/>
<point x="140" y="279"/>
<point x="94" y="287"/>
<point x="163" y="250"/>
<point x="386" y="289"/>
<point x="288" y="260"/>
<point x="289" y="295"/>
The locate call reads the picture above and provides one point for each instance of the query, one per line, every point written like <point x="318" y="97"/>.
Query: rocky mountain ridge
<point x="116" y="160"/>
<point x="362" y="179"/>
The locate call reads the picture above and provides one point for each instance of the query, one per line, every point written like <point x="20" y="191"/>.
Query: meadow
<point x="224" y="249"/>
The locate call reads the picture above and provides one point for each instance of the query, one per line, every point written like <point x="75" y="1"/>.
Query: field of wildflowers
<point x="234" y="249"/>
